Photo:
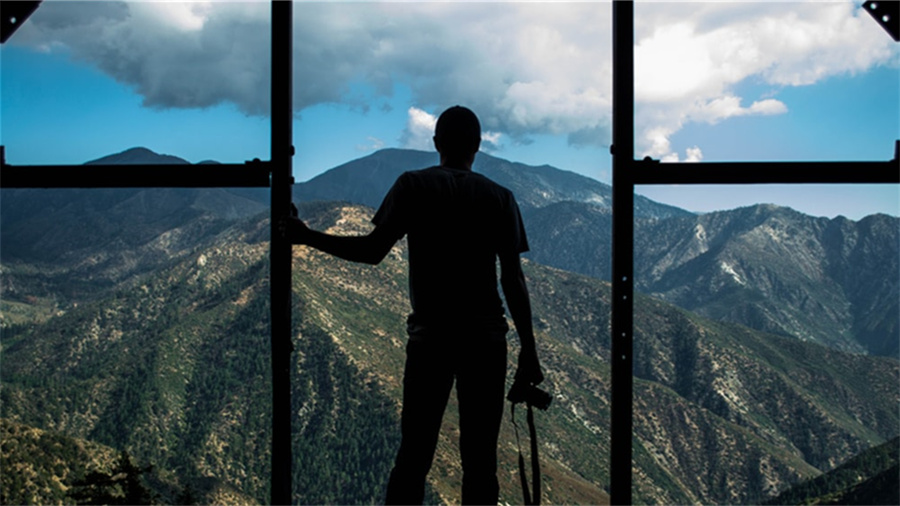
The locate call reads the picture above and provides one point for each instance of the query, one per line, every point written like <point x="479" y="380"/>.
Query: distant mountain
<point x="771" y="268"/>
<point x="574" y="236"/>
<point x="138" y="320"/>
<point x="835" y="282"/>
<point x="139" y="155"/>
<point x="99" y="237"/>
<point x="173" y="366"/>
<point x="366" y="181"/>
<point x="832" y="281"/>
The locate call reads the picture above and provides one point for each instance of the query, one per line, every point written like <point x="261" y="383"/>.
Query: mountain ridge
<point x="366" y="180"/>
<point x="722" y="264"/>
<point x="840" y="291"/>
<point x="129" y="372"/>
<point x="138" y="155"/>
<point x="838" y="285"/>
<point x="152" y="340"/>
<point x="775" y="269"/>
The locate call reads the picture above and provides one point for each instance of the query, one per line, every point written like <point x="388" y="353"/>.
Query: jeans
<point x="480" y="373"/>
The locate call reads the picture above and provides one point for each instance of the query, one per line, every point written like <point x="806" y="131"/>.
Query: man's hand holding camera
<point x="528" y="376"/>
<point x="529" y="368"/>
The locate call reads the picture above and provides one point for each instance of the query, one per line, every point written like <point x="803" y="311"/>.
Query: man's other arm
<point x="512" y="280"/>
<point x="369" y="249"/>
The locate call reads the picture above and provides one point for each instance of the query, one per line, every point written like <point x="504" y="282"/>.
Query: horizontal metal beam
<point x="653" y="172"/>
<point x="249" y="174"/>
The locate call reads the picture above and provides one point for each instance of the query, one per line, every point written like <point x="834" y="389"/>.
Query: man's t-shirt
<point x="457" y="222"/>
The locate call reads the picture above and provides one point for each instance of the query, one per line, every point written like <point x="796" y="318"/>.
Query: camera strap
<point x="535" y="461"/>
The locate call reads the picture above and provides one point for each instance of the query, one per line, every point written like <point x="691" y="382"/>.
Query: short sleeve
<point x="393" y="213"/>
<point x="515" y="240"/>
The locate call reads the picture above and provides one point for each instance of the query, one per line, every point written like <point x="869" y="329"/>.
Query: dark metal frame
<point x="249" y="174"/>
<point x="275" y="174"/>
<point x="627" y="173"/>
<point x="14" y="15"/>
<point x="280" y="250"/>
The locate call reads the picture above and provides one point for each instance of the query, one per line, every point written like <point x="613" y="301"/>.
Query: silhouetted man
<point x="458" y="223"/>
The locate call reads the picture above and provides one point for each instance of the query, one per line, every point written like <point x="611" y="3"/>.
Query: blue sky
<point x="744" y="81"/>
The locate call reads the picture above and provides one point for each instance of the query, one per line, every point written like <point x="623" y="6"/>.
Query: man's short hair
<point x="458" y="132"/>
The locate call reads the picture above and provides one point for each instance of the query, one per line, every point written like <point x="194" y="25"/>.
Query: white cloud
<point x="525" y="68"/>
<point x="693" y="154"/>
<point x="767" y="107"/>
<point x="490" y="141"/>
<point x="183" y="55"/>
<point x="419" y="130"/>
<point x="689" y="57"/>
<point x="372" y="144"/>
<point x="186" y="16"/>
<point x="729" y="106"/>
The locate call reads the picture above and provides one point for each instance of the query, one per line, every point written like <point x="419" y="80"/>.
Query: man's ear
<point x="437" y="145"/>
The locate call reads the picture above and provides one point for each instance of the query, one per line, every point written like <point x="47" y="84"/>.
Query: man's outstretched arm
<point x="512" y="279"/>
<point x="369" y="249"/>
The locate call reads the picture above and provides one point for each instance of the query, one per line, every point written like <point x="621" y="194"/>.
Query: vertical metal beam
<point x="622" y="253"/>
<point x="280" y="251"/>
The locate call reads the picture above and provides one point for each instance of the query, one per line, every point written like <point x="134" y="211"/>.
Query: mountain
<point x="572" y="236"/>
<point x="172" y="366"/>
<point x="366" y="181"/>
<point x="872" y="477"/>
<point x="832" y="281"/>
<point x="142" y="326"/>
<point x="51" y="222"/>
<point x="90" y="238"/>
<point x="138" y="155"/>
<point x="835" y="281"/>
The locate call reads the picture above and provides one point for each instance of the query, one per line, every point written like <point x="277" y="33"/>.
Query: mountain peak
<point x="136" y="156"/>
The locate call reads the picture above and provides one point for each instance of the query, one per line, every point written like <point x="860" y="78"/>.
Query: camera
<point x="529" y="394"/>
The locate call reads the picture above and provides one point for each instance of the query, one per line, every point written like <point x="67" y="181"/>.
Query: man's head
<point x="457" y="135"/>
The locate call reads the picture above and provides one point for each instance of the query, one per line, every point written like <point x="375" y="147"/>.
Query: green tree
<point x="123" y="485"/>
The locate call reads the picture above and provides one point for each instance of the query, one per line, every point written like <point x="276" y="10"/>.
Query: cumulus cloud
<point x="526" y="68"/>
<point x="690" y="57"/>
<point x="174" y="55"/>
<point x="694" y="154"/>
<point x="419" y="132"/>
<point x="729" y="106"/>
<point x="490" y="141"/>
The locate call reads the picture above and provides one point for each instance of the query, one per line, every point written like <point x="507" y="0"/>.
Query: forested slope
<point x="173" y="367"/>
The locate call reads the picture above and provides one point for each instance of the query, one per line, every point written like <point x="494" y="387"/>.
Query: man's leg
<point x="426" y="387"/>
<point x="480" y="388"/>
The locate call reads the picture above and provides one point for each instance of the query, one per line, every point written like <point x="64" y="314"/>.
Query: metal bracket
<point x="14" y="15"/>
<point x="887" y="14"/>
